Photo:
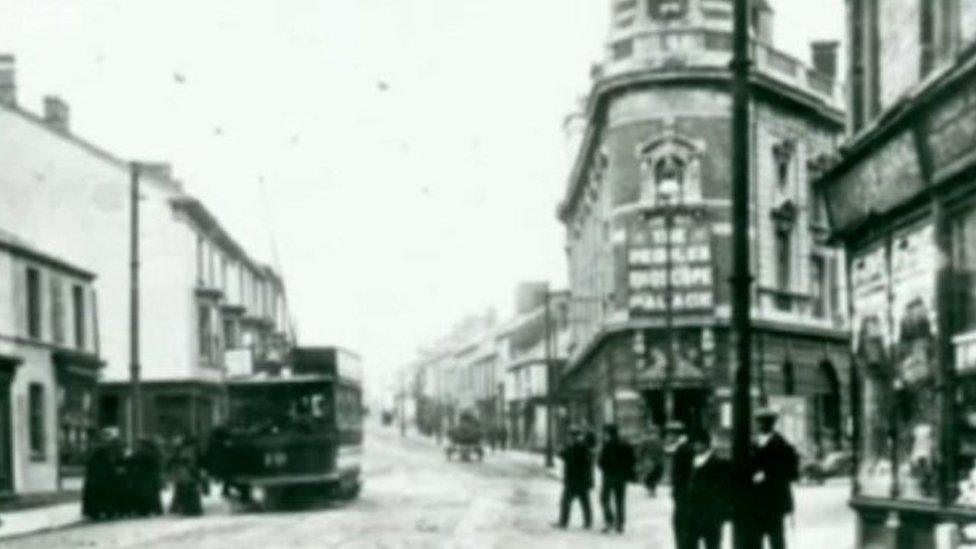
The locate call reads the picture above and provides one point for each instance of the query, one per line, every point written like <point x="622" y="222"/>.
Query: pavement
<point x="414" y="498"/>
<point x="64" y="515"/>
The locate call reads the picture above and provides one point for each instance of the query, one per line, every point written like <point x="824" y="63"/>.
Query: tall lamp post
<point x="550" y="381"/>
<point x="741" y="278"/>
<point x="135" y="428"/>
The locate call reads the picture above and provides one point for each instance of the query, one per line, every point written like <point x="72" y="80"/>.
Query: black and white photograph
<point x="464" y="274"/>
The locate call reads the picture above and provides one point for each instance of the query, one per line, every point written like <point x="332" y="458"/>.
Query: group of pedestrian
<point x="497" y="437"/>
<point x="121" y="484"/>
<point x="704" y="489"/>
<point x="616" y="460"/>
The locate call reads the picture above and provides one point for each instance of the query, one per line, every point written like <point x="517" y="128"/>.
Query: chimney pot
<point x="56" y="113"/>
<point x="825" y="57"/>
<point x="8" y="82"/>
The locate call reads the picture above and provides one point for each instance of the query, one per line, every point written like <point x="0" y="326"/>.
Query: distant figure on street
<point x="184" y="468"/>
<point x="682" y="458"/>
<point x="651" y="457"/>
<point x="617" y="463"/>
<point x="775" y="465"/>
<point x="104" y="480"/>
<point x="577" y="479"/>
<point x="708" y="495"/>
<point x="219" y="458"/>
<point x="144" y="469"/>
<point x="502" y="436"/>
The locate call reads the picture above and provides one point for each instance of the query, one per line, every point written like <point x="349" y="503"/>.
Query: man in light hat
<point x="775" y="465"/>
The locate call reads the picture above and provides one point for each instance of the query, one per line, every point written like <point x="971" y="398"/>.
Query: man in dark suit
<point x="775" y="465"/>
<point x="617" y="463"/>
<point x="707" y="494"/>
<point x="682" y="456"/>
<point x="577" y="479"/>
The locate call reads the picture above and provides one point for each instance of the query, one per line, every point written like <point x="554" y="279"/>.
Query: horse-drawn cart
<point x="464" y="440"/>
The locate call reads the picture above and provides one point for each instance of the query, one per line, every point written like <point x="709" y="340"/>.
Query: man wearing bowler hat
<point x="775" y="465"/>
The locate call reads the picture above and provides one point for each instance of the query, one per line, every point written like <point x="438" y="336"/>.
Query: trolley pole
<point x="135" y="414"/>
<point x="550" y="382"/>
<point x="741" y="277"/>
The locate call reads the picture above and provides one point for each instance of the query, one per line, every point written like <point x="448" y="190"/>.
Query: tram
<point x="295" y="436"/>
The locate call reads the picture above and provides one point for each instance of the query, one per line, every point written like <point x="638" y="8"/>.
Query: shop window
<point x="894" y="345"/>
<point x="36" y="419"/>
<point x="33" y="303"/>
<point x="57" y="311"/>
<point x="78" y="300"/>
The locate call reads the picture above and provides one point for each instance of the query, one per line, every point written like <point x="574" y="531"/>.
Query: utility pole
<point x="550" y="382"/>
<point x="135" y="427"/>
<point x="668" y="318"/>
<point x="403" y="404"/>
<point x="741" y="277"/>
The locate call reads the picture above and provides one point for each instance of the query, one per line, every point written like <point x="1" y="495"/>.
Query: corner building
<point x="650" y="196"/>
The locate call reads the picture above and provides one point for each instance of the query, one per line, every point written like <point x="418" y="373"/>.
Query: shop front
<point x="76" y="374"/>
<point x="903" y="201"/>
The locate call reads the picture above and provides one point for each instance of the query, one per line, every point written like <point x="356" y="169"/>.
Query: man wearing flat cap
<point x="775" y="465"/>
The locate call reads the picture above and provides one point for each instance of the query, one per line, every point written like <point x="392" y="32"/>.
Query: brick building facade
<point x="647" y="216"/>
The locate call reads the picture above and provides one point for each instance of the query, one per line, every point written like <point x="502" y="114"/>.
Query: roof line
<point x="89" y="147"/>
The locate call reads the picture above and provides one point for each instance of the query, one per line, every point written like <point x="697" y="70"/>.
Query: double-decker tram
<point x="297" y="436"/>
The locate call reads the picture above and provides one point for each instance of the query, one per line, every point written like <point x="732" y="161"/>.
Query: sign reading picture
<point x="689" y="264"/>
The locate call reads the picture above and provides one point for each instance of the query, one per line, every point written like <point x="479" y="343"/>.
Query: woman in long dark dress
<point x="145" y="479"/>
<point x="104" y="483"/>
<point x="186" y="482"/>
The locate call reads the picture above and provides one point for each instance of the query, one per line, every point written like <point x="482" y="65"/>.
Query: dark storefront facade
<point x="903" y="201"/>
<point x="170" y="409"/>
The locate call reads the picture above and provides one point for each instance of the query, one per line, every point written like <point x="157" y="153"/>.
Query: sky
<point x="399" y="160"/>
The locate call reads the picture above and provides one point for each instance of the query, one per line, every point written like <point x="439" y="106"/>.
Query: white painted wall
<point x="74" y="204"/>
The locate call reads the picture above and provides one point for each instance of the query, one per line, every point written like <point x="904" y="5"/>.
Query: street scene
<point x="459" y="273"/>
<point x="412" y="499"/>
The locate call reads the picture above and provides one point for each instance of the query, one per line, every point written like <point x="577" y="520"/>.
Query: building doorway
<point x="6" y="441"/>
<point x="689" y="407"/>
<point x="827" y="422"/>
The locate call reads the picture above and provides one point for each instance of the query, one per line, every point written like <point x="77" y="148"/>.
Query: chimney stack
<point x="825" y="57"/>
<point x="8" y="84"/>
<point x="158" y="170"/>
<point x="56" y="113"/>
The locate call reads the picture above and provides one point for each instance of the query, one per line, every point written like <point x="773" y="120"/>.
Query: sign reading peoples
<point x="689" y="265"/>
